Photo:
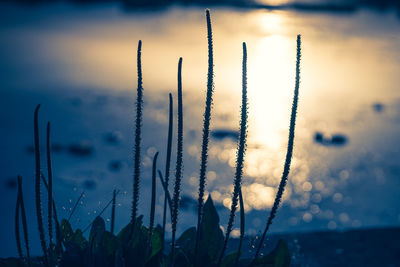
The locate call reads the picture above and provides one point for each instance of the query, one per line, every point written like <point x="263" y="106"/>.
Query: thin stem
<point x="75" y="206"/>
<point x="242" y="225"/>
<point x="37" y="187"/>
<point x="139" y="107"/>
<point x="206" y="131"/>
<point x="113" y="212"/>
<point x="50" y="187"/>
<point x="23" y="216"/>
<point x="101" y="213"/>
<point x="240" y="154"/>
<point x="179" y="161"/>
<point x="16" y="226"/>
<point x="289" y="153"/>
<point x="153" y="194"/>
<point x="57" y="223"/>
<point x="167" y="168"/>
<point x="166" y="191"/>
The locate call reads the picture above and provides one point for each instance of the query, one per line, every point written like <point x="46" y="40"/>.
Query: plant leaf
<point x="279" y="257"/>
<point x="109" y="244"/>
<point x="211" y="237"/>
<point x="229" y="259"/>
<point x="156" y="241"/>
<point x="79" y="240"/>
<point x="66" y="231"/>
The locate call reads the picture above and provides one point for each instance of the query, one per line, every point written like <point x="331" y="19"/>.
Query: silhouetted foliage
<point x="136" y="244"/>
<point x="138" y="124"/>
<point x="179" y="162"/>
<point x="240" y="154"/>
<point x="289" y="152"/>
<point x="206" y="127"/>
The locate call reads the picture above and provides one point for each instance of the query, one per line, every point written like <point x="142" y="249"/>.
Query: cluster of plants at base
<point x="138" y="245"/>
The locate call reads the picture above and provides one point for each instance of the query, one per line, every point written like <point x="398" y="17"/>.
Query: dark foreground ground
<point x="366" y="247"/>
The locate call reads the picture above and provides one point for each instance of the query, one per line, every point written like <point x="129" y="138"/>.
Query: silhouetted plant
<point x="16" y="224"/>
<point x="50" y="188"/>
<point x="242" y="227"/>
<point x="75" y="205"/>
<point x="56" y="222"/>
<point x="20" y="211"/>
<point x="206" y="128"/>
<point x="101" y="212"/>
<point x="113" y="211"/>
<point x="153" y="194"/>
<point x="179" y="162"/>
<point x="139" y="107"/>
<point x="37" y="186"/>
<point x="164" y="185"/>
<point x="167" y="167"/>
<point x="240" y="154"/>
<point x="289" y="152"/>
<point x="138" y="245"/>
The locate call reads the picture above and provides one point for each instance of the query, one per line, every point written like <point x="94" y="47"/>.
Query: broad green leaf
<point x="109" y="244"/>
<point x="229" y="260"/>
<point x="187" y="238"/>
<point x="136" y="246"/>
<point x="282" y="255"/>
<point x="96" y="233"/>
<point x="156" y="241"/>
<point x="211" y="237"/>
<point x="95" y="237"/>
<point x="125" y="235"/>
<point x="79" y="240"/>
<point x="279" y="257"/>
<point x="66" y="231"/>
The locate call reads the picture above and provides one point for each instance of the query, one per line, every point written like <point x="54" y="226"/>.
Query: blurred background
<point x="78" y="60"/>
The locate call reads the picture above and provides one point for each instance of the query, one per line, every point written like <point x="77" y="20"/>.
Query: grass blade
<point x="289" y="153"/>
<point x="242" y="225"/>
<point x="37" y="186"/>
<point x="240" y="154"/>
<point x="16" y="225"/>
<point x="179" y="161"/>
<point x="139" y="107"/>
<point x="50" y="186"/>
<point x="206" y="130"/>
<point x="167" y="167"/>
<point x="113" y="212"/>
<point x="153" y="194"/>
<point x="166" y="191"/>
<point x="75" y="206"/>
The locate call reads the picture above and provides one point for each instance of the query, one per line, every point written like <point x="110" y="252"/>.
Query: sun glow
<point x="271" y="92"/>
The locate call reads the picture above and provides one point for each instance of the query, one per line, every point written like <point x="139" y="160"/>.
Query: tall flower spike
<point x="240" y="154"/>
<point x="139" y="107"/>
<point x="153" y="194"/>
<point x="50" y="187"/>
<point x="179" y="161"/>
<point x="113" y="211"/>
<point x="206" y="130"/>
<point x="289" y="153"/>
<point x="167" y="166"/>
<point x="37" y="186"/>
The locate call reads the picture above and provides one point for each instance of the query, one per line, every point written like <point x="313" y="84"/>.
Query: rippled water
<point x="80" y="64"/>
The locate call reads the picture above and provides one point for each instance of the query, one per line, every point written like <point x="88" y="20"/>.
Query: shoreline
<point x="361" y="247"/>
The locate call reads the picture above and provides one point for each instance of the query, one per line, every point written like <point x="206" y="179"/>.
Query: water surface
<point x="80" y="64"/>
